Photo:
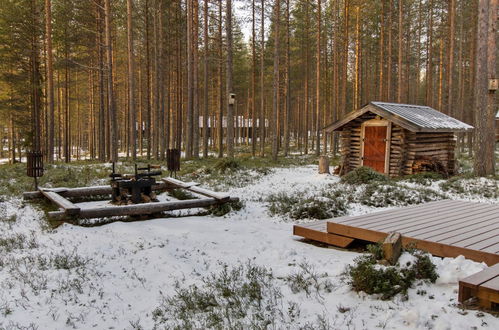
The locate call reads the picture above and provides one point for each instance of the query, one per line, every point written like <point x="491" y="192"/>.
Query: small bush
<point x="324" y="205"/>
<point x="227" y="164"/>
<point x="225" y="208"/>
<point x="423" y="178"/>
<point x="309" y="281"/>
<point x="363" y="175"/>
<point x="181" y="194"/>
<point x="367" y="276"/>
<point x="241" y="297"/>
<point x="376" y="250"/>
<point x="472" y="186"/>
<point x="383" y="195"/>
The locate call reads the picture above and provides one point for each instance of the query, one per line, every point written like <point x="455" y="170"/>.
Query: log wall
<point x="410" y="152"/>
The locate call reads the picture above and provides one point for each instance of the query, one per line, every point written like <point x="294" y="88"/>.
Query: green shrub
<point x="423" y="178"/>
<point x="181" y="194"/>
<point x="241" y="297"/>
<point x="390" y="194"/>
<point x="309" y="281"/>
<point x="472" y="186"/>
<point x="225" y="208"/>
<point x="227" y="164"/>
<point x="367" y="276"/>
<point x="376" y="250"/>
<point x="363" y="175"/>
<point x="326" y="204"/>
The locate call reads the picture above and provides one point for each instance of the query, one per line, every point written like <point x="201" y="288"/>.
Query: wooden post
<point x="392" y="247"/>
<point x="323" y="165"/>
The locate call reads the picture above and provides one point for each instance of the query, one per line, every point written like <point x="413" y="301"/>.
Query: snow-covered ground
<point x="114" y="276"/>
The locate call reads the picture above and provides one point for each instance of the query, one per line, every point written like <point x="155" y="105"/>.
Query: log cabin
<point x="398" y="139"/>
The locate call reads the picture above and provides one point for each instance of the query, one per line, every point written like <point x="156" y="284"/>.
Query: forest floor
<point x="244" y="269"/>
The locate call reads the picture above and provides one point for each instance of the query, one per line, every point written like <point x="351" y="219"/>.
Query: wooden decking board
<point x="399" y="217"/>
<point x="385" y="215"/>
<point x="430" y="216"/>
<point x="320" y="234"/>
<point x="444" y="228"/>
<point x="482" y="244"/>
<point x="465" y="231"/>
<point x="468" y="238"/>
<point x="442" y="250"/>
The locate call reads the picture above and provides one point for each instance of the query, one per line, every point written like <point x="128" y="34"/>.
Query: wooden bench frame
<point x="483" y="285"/>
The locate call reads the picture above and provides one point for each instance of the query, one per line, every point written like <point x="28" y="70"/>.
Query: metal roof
<point x="423" y="116"/>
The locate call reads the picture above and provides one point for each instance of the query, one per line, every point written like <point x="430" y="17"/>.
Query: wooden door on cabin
<point x="375" y="147"/>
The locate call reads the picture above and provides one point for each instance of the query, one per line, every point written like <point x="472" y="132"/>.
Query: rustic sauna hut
<point x="398" y="139"/>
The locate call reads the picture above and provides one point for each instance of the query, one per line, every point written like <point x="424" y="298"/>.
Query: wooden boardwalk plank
<point x="401" y="216"/>
<point x="471" y="236"/>
<point x="445" y="228"/>
<point x="435" y="248"/>
<point x="389" y="214"/>
<point x="442" y="225"/>
<point x="459" y="230"/>
<point x="421" y="220"/>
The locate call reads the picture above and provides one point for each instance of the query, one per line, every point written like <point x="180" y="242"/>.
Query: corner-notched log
<point x="82" y="192"/>
<point x="140" y="209"/>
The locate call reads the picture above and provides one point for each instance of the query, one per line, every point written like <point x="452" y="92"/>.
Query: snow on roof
<point x="423" y="116"/>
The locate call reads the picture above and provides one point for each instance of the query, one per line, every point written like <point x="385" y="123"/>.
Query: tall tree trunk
<point x="113" y="125"/>
<point x="205" y="81"/>
<point x="400" y="48"/>
<point x="195" y="78"/>
<point x="220" y="84"/>
<point x="50" y="80"/>
<point x="318" y="81"/>
<point x="262" y="81"/>
<point x="36" y="87"/>
<point x="450" y="66"/>
<point x="287" y="120"/>
<point x="253" y="80"/>
<point x="230" y="87"/>
<point x="275" y="99"/>
<point x="484" y="101"/>
<point x="131" y="81"/>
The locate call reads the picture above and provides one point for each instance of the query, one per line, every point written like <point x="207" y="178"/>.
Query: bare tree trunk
<point x="399" y="69"/>
<point x="148" y="127"/>
<point x="484" y="102"/>
<point x="205" y="81"/>
<point x="230" y="87"/>
<point x="275" y="99"/>
<point x="131" y="81"/>
<point x="195" y="78"/>
<point x="262" y="81"/>
<point x="450" y="68"/>
<point x="288" y="82"/>
<point x="253" y="80"/>
<point x="356" y="94"/>
<point x="50" y="79"/>
<point x="220" y="84"/>
<point x="382" y="53"/>
<point x="318" y="81"/>
<point x="110" y="94"/>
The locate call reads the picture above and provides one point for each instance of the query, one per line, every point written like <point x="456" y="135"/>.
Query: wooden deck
<point x="444" y="228"/>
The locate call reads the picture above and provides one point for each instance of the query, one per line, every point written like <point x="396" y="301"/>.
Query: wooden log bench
<point x="483" y="285"/>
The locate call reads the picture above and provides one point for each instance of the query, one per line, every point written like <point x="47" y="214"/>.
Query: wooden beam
<point x="82" y="191"/>
<point x="140" y="209"/>
<point x="69" y="208"/>
<point x="192" y="186"/>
